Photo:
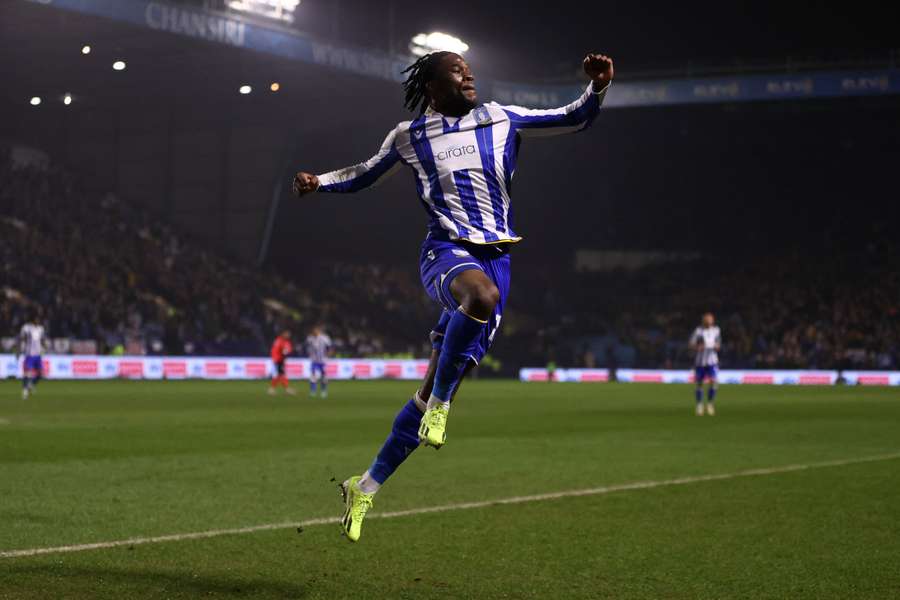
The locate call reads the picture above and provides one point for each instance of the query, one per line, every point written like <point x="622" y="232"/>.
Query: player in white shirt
<point x="31" y="344"/>
<point x="318" y="345"/>
<point x="706" y="341"/>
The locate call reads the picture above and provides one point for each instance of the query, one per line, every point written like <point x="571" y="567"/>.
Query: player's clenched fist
<point x="305" y="183"/>
<point x="599" y="68"/>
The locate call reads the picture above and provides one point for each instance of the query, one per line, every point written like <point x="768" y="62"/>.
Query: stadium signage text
<point x="790" y="86"/>
<point x="356" y="61"/>
<point x="857" y="84"/>
<point x="194" y="24"/>
<point x="731" y="89"/>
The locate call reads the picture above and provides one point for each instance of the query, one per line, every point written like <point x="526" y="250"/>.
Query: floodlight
<point x="435" y="41"/>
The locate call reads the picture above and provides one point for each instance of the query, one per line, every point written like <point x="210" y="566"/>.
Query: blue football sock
<point x="312" y="387"/>
<point x="25" y="382"/>
<point x="462" y="332"/>
<point x="403" y="439"/>
<point x="698" y="394"/>
<point x="711" y="394"/>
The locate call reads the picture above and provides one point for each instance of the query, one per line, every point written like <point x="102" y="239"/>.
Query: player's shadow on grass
<point x="55" y="581"/>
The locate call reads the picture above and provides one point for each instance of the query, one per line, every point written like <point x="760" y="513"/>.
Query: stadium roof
<point x="173" y="133"/>
<point x="46" y="43"/>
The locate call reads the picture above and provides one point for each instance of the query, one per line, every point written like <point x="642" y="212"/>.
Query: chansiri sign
<point x="165" y="17"/>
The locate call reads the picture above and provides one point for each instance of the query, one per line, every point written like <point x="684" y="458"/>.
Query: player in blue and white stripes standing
<point x="463" y="156"/>
<point x="31" y="344"/>
<point x="318" y="346"/>
<point x="706" y="341"/>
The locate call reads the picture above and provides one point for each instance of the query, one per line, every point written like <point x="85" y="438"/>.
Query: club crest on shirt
<point x="482" y="115"/>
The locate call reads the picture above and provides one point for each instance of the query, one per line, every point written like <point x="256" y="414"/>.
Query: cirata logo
<point x="456" y="152"/>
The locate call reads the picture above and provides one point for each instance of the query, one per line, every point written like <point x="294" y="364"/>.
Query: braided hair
<point x="420" y="73"/>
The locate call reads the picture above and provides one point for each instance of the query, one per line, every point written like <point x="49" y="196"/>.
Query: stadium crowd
<point x="97" y="269"/>
<point x="784" y="309"/>
<point x="100" y="270"/>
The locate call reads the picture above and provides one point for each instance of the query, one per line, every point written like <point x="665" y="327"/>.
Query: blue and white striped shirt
<point x="31" y="339"/>
<point x="318" y="346"/>
<point x="464" y="166"/>
<point x="710" y="337"/>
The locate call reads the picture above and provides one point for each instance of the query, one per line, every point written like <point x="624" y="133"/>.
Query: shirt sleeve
<point x="570" y="118"/>
<point x="364" y="174"/>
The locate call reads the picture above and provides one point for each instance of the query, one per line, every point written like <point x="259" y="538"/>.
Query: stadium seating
<point x="782" y="310"/>
<point x="113" y="277"/>
<point x="110" y="277"/>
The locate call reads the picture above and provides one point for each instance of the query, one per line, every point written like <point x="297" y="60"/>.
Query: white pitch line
<point x="597" y="491"/>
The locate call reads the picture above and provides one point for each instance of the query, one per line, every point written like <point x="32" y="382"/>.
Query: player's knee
<point x="481" y="301"/>
<point x="488" y="297"/>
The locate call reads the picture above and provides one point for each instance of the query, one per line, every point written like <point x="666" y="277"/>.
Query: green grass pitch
<point x="94" y="462"/>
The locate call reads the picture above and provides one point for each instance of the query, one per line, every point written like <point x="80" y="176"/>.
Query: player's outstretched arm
<point x="573" y="117"/>
<point x="353" y="178"/>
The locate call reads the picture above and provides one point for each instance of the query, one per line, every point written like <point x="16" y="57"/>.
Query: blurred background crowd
<point x="106" y="276"/>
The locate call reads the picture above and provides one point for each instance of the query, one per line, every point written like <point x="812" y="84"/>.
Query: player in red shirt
<point x="280" y="350"/>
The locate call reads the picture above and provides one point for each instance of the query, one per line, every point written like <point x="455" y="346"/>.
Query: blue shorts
<point x="441" y="261"/>
<point x="707" y="372"/>
<point x="317" y="367"/>
<point x="33" y="363"/>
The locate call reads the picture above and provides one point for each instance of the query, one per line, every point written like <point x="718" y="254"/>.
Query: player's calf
<point x="710" y="398"/>
<point x="359" y="491"/>
<point x="463" y="331"/>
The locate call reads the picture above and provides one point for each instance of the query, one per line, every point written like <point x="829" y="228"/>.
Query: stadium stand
<point x="111" y="277"/>
<point x="778" y="310"/>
